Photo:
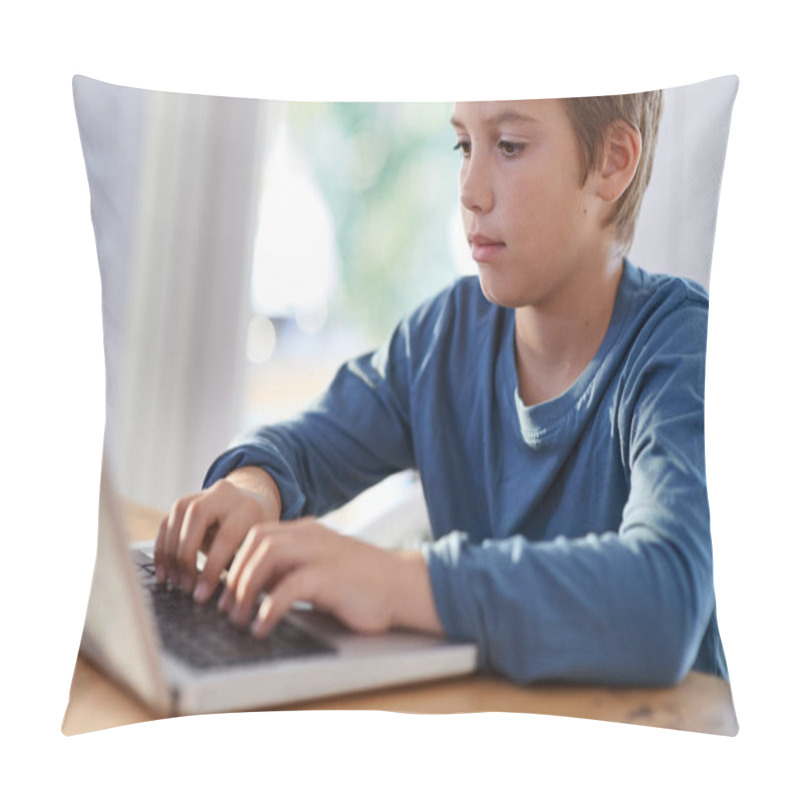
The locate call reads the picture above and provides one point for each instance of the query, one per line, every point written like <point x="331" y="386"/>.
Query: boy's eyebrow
<point x="502" y="116"/>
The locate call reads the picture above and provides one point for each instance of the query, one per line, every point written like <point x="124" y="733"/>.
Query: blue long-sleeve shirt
<point x="571" y="539"/>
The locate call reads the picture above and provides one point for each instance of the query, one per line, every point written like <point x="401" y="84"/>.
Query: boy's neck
<point x="553" y="344"/>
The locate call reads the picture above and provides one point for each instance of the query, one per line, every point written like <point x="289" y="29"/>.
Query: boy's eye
<point x="510" y="148"/>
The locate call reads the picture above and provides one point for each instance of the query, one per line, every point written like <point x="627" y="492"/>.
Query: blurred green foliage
<point x="389" y="176"/>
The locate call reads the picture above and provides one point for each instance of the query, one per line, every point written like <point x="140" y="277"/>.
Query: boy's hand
<point x="367" y="588"/>
<point x="215" y="521"/>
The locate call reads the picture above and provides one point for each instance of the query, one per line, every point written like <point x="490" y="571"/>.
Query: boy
<point x="553" y="407"/>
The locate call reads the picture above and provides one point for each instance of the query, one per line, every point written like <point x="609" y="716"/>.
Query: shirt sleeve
<point x="628" y="606"/>
<point x="353" y="436"/>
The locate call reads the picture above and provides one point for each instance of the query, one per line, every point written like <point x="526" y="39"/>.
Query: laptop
<point x="183" y="658"/>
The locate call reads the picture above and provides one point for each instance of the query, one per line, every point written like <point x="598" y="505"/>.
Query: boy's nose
<point x="476" y="187"/>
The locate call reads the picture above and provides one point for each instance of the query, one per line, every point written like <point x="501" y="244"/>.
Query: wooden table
<point x="701" y="703"/>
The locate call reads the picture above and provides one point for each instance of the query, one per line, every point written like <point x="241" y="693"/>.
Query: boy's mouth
<point x="483" y="248"/>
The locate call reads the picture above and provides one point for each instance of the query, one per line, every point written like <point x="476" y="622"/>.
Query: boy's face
<point x="533" y="228"/>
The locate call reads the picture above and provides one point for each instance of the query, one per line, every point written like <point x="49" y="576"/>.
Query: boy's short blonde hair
<point x="590" y="118"/>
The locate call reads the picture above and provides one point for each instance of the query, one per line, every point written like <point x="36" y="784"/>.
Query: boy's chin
<point x="499" y="292"/>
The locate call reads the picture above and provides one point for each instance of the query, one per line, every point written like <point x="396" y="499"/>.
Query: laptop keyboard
<point x="200" y="635"/>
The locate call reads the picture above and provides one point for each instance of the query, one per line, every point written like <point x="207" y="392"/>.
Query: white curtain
<point x="175" y="182"/>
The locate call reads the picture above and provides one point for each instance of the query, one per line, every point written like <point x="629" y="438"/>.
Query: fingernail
<point x="187" y="584"/>
<point x="224" y="600"/>
<point x="161" y="574"/>
<point x="259" y="626"/>
<point x="201" y="592"/>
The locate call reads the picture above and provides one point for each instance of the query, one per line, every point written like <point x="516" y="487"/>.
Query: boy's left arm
<point x="629" y="606"/>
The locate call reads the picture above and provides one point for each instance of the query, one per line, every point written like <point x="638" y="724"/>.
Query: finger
<point x="171" y="539"/>
<point x="205" y="515"/>
<point x="230" y="538"/>
<point x="252" y="576"/>
<point x="236" y="515"/>
<point x="201" y="515"/>
<point x="285" y="551"/>
<point x="226" y="540"/>
<point x="243" y="554"/>
<point x="301" y="584"/>
<point x="267" y="563"/>
<point x="158" y="551"/>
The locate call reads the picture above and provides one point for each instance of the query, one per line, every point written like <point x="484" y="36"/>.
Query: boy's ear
<point x="621" y="153"/>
